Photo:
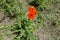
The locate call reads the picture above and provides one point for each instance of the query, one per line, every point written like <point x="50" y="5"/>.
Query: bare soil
<point x="51" y="27"/>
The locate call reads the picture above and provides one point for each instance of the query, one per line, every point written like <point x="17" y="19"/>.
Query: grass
<point x="1" y="37"/>
<point x="23" y="28"/>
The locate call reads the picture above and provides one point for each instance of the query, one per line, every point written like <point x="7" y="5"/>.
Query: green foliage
<point x="10" y="7"/>
<point x="1" y="37"/>
<point x="42" y="4"/>
<point x="23" y="28"/>
<point x="40" y="19"/>
<point x="39" y="4"/>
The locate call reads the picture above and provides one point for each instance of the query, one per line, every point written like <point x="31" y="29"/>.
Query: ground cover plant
<point x="23" y="27"/>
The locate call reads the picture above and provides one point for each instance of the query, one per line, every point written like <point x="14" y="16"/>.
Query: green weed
<point x="1" y="37"/>
<point x="23" y="28"/>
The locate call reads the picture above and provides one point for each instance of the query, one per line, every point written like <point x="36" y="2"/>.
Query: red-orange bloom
<point x="32" y="13"/>
<point x="31" y="9"/>
<point x="31" y="16"/>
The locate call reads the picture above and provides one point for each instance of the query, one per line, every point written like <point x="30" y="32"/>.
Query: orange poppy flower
<point x="31" y="9"/>
<point x="32" y="12"/>
<point x="31" y="16"/>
